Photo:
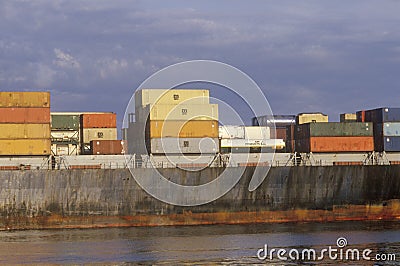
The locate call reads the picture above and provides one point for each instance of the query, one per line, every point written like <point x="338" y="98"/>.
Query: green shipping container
<point x="334" y="129"/>
<point x="65" y="122"/>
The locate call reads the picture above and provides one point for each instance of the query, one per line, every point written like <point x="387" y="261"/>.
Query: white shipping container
<point x="391" y="129"/>
<point x="178" y="112"/>
<point x="184" y="145"/>
<point x="99" y="134"/>
<point x="231" y="132"/>
<point x="257" y="132"/>
<point x="64" y="149"/>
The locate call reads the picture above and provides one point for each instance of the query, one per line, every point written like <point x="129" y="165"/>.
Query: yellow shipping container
<point x="348" y="117"/>
<point x="25" y="147"/>
<point x="311" y="117"/>
<point x="175" y="96"/>
<point x="184" y="129"/>
<point x="24" y="99"/>
<point x="179" y="112"/>
<point x="24" y="131"/>
<point x="99" y="134"/>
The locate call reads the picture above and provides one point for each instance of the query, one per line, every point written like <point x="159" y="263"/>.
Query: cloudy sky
<point x="329" y="56"/>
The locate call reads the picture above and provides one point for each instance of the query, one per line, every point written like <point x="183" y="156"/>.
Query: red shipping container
<point x="100" y="120"/>
<point x="28" y="115"/>
<point x="335" y="144"/>
<point x="106" y="147"/>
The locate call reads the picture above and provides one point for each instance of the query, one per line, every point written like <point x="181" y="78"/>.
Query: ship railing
<point x="223" y="160"/>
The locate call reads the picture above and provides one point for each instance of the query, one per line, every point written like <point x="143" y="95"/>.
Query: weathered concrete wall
<point x="41" y="193"/>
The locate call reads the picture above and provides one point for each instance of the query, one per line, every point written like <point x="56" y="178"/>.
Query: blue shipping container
<point x="391" y="129"/>
<point x="387" y="144"/>
<point x="382" y="115"/>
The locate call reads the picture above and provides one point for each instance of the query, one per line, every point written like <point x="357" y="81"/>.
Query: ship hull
<point x="43" y="199"/>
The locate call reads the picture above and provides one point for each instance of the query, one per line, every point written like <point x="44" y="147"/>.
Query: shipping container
<point x="279" y="121"/>
<point x="99" y="120"/>
<point x="348" y="117"/>
<point x="25" y="99"/>
<point x="278" y="133"/>
<point x="106" y="147"/>
<point x="63" y="136"/>
<point x="290" y="138"/>
<point x="98" y="134"/>
<point x="25" y="147"/>
<point x="174" y="96"/>
<point x="334" y="129"/>
<point x="386" y="136"/>
<point x="257" y="132"/>
<point x="231" y="132"/>
<point x="65" y="122"/>
<point x="382" y="115"/>
<point x="184" y="146"/>
<point x="388" y="129"/>
<point x="65" y="149"/>
<point x="178" y="112"/>
<point x="183" y="129"/>
<point x="32" y="115"/>
<point x="303" y="118"/>
<point x="290" y="132"/>
<point x="335" y="144"/>
<point x="24" y="131"/>
<point x="360" y="115"/>
<point x="389" y="144"/>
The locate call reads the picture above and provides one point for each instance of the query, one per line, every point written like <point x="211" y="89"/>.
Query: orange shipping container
<point x="34" y="115"/>
<point x="184" y="129"/>
<point x="100" y="120"/>
<point x="335" y="144"/>
<point x="106" y="147"/>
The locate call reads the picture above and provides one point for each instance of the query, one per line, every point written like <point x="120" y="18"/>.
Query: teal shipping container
<point x="334" y="129"/>
<point x="65" y="122"/>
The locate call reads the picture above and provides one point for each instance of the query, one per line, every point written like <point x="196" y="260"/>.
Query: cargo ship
<point x="69" y="170"/>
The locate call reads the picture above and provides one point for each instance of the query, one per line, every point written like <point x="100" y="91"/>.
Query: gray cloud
<point x="327" y="56"/>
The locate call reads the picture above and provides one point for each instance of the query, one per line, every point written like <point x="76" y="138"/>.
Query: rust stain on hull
<point x="390" y="211"/>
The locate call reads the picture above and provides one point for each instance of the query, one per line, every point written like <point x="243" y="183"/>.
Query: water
<point x="200" y="245"/>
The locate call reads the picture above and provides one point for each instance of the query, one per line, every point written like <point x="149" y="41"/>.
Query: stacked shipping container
<point x="302" y="118"/>
<point x="277" y="125"/>
<point x="244" y="139"/>
<point x="65" y="133"/>
<point x="175" y="121"/>
<point x="279" y="122"/>
<point x="97" y="126"/>
<point x="334" y="137"/>
<point x="386" y="128"/>
<point x="25" y="123"/>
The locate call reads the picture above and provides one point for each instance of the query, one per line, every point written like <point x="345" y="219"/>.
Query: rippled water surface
<point x="204" y="245"/>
